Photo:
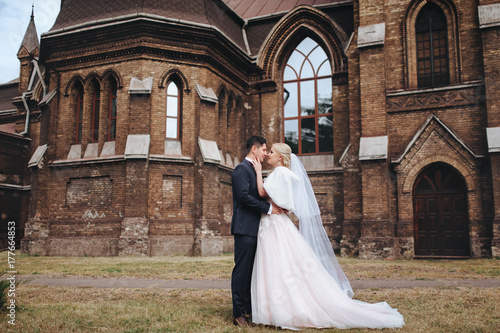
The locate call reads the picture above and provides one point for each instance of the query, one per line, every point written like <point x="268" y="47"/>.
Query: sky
<point x="14" y="19"/>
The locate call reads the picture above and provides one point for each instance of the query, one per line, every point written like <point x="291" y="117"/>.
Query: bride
<point x="296" y="279"/>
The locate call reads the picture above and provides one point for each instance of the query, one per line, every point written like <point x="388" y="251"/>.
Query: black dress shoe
<point x="241" y="322"/>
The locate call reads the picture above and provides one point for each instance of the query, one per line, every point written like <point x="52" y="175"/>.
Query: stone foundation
<point x="81" y="247"/>
<point x="134" y="239"/>
<point x="171" y="245"/>
<point x="495" y="243"/>
<point x="349" y="247"/>
<point x="41" y="239"/>
<point x="376" y="248"/>
<point x="405" y="247"/>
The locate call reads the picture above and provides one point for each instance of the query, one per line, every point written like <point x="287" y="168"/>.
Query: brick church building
<point x="128" y="117"/>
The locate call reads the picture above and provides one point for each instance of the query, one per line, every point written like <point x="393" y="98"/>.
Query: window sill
<point x="171" y="158"/>
<point x="84" y="161"/>
<point x="436" y="89"/>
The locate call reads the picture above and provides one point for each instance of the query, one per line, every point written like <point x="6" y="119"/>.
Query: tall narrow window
<point x="307" y="100"/>
<point x="230" y="124"/>
<point x="96" y="100"/>
<point x="112" y="111"/>
<point x="173" y="111"/>
<point x="79" y="113"/>
<point x="222" y="120"/>
<point x="432" y="47"/>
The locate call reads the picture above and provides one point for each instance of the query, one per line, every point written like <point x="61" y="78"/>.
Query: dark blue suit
<point x="247" y="210"/>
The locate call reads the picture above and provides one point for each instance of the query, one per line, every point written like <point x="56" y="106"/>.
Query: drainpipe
<point x="245" y="39"/>
<point x="29" y="92"/>
<point x="39" y="72"/>
<point x="26" y="123"/>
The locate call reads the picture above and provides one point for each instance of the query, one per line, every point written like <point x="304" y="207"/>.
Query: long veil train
<point x="311" y="225"/>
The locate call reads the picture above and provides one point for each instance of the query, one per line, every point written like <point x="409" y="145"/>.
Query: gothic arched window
<point x="222" y="130"/>
<point x="96" y="100"/>
<point x="230" y="124"/>
<point x="307" y="100"/>
<point x="173" y="111"/>
<point x="432" y="47"/>
<point x="79" y="112"/>
<point x="112" y="111"/>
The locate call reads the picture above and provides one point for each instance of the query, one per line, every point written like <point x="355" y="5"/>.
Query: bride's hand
<point x="257" y="165"/>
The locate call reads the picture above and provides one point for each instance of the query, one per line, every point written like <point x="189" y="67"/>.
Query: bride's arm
<point x="260" y="182"/>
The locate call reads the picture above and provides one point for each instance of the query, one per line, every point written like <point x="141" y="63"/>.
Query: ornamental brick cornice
<point x="435" y="142"/>
<point x="146" y="40"/>
<point x="465" y="94"/>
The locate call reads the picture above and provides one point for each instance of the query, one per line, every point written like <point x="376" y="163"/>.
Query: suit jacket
<point x="247" y="206"/>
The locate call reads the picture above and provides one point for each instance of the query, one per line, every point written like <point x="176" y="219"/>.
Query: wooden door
<point x="440" y="213"/>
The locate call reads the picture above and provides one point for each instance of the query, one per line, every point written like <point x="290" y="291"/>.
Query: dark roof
<point x="227" y="16"/>
<point x="215" y="13"/>
<point x="248" y="9"/>
<point x="30" y="40"/>
<point x="259" y="27"/>
<point x="8" y="91"/>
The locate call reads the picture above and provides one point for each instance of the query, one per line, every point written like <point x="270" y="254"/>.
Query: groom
<point x="247" y="210"/>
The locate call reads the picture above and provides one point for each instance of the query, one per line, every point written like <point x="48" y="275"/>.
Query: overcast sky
<point x="14" y="19"/>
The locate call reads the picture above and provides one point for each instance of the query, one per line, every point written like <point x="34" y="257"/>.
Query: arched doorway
<point x="441" y="222"/>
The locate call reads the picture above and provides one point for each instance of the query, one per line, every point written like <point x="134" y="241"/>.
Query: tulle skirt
<point x="292" y="290"/>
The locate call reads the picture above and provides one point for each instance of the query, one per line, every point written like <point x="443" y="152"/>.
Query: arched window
<point x="230" y="130"/>
<point x="222" y="120"/>
<point x="173" y="112"/>
<point x="112" y="111"/>
<point x="307" y="100"/>
<point x="79" y="112"/>
<point x="96" y="100"/>
<point x="432" y="47"/>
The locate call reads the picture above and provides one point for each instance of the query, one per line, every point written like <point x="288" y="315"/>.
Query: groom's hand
<point x="276" y="210"/>
<point x="257" y="165"/>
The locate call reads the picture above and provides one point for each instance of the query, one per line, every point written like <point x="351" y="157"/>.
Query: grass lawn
<point x="53" y="309"/>
<point x="69" y="309"/>
<point x="219" y="267"/>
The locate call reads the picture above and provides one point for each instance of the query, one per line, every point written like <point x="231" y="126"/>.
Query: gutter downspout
<point x="29" y="92"/>
<point x="26" y="123"/>
<point x="245" y="38"/>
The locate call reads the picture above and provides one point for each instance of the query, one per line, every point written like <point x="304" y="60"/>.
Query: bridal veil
<point x="311" y="225"/>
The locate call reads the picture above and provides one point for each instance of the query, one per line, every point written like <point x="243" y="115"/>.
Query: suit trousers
<point x="241" y="278"/>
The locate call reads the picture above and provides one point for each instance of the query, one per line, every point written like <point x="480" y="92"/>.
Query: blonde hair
<point x="285" y="152"/>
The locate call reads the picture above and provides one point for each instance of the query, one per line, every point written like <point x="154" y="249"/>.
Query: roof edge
<point x="282" y="13"/>
<point x="98" y="24"/>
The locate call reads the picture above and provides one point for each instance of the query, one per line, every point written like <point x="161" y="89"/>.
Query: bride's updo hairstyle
<point x="285" y="152"/>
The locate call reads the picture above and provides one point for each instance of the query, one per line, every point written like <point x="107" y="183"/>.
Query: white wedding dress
<point x="291" y="288"/>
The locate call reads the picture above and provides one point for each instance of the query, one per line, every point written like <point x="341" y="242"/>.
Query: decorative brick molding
<point x="174" y="72"/>
<point x="424" y="149"/>
<point x="303" y="20"/>
<point x="469" y="94"/>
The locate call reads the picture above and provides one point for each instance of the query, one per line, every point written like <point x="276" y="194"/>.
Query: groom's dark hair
<point x="254" y="141"/>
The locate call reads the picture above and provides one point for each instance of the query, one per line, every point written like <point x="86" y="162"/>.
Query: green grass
<point x="55" y="309"/>
<point x="75" y="310"/>
<point x="219" y="267"/>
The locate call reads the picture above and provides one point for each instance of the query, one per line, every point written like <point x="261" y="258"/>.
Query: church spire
<point x="29" y="50"/>
<point x="30" y="41"/>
